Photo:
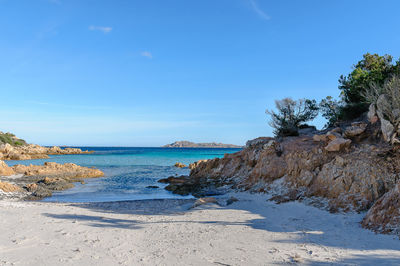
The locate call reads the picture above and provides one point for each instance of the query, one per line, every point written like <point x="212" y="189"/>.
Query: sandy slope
<point x="162" y="232"/>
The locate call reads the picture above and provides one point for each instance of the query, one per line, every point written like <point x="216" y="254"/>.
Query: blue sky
<point x="146" y="73"/>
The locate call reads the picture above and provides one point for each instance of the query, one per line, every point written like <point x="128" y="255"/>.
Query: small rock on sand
<point x="202" y="201"/>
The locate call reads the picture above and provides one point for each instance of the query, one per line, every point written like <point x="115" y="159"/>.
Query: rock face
<point x="384" y="216"/>
<point x="5" y="170"/>
<point x="188" y="144"/>
<point x="195" y="164"/>
<point x="349" y="174"/>
<point x="32" y="151"/>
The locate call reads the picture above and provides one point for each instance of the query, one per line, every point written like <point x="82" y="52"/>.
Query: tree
<point x="291" y="115"/>
<point x="330" y="110"/>
<point x="373" y="68"/>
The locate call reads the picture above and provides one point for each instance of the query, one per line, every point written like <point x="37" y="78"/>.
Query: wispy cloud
<point x="258" y="10"/>
<point x="146" y="54"/>
<point x="105" y="30"/>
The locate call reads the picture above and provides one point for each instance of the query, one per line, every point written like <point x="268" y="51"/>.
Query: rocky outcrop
<point x="188" y="144"/>
<point x="384" y="216"/>
<point x="33" y="151"/>
<point x="68" y="170"/>
<point x="7" y="187"/>
<point x="195" y="164"/>
<point x="180" y="165"/>
<point x="347" y="166"/>
<point x="38" y="181"/>
<point x="5" y="170"/>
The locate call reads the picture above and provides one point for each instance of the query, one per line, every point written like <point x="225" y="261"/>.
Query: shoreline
<point x="251" y="231"/>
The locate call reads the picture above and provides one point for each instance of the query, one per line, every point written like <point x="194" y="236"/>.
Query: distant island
<point x="188" y="144"/>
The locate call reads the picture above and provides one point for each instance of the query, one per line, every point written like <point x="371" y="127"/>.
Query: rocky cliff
<point x="188" y="144"/>
<point x="350" y="167"/>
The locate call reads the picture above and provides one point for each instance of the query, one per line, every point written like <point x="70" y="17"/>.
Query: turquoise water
<point x="128" y="172"/>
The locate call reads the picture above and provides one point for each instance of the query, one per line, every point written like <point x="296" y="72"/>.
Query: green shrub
<point x="10" y="139"/>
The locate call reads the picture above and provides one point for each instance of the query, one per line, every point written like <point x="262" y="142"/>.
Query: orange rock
<point x="7" y="187"/>
<point x="51" y="169"/>
<point x="31" y="187"/>
<point x="180" y="165"/>
<point x="338" y="144"/>
<point x="5" y="170"/>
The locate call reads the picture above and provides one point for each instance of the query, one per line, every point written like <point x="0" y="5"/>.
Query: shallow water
<point x="128" y="172"/>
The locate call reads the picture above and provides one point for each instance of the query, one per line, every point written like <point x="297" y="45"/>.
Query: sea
<point x="130" y="173"/>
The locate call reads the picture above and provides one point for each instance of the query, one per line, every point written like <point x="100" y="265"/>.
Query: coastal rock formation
<point x="195" y="164"/>
<point x="14" y="148"/>
<point x="384" y="216"/>
<point x="180" y="165"/>
<point x="33" y="151"/>
<point x="38" y="181"/>
<point x="7" y="187"/>
<point x="5" y="170"/>
<point x="340" y="167"/>
<point x="188" y="144"/>
<point x="68" y="170"/>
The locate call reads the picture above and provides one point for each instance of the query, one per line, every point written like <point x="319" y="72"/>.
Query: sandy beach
<point x="252" y="231"/>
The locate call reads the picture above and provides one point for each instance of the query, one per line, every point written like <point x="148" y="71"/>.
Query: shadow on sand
<point x="307" y="224"/>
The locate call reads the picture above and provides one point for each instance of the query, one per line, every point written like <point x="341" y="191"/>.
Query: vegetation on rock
<point x="11" y="139"/>
<point x="291" y="115"/>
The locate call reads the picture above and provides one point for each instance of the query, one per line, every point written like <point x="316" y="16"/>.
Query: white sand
<point x="249" y="232"/>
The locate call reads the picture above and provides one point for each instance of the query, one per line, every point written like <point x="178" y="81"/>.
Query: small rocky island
<point x="188" y="144"/>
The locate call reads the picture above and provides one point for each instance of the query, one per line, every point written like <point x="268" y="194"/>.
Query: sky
<point x="148" y="73"/>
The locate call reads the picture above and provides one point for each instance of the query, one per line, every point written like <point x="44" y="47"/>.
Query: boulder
<point x="6" y="148"/>
<point x="337" y="130"/>
<point x="318" y="138"/>
<point x="195" y="164"/>
<point x="55" y="150"/>
<point x="269" y="145"/>
<point x="231" y="200"/>
<point x="338" y="144"/>
<point x="332" y="135"/>
<point x="152" y="187"/>
<point x="202" y="201"/>
<point x="384" y="216"/>
<point x="180" y="165"/>
<point x="258" y="141"/>
<point x="386" y="127"/>
<point x="371" y="115"/>
<point x="31" y="187"/>
<point x="5" y="170"/>
<point x="355" y="129"/>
